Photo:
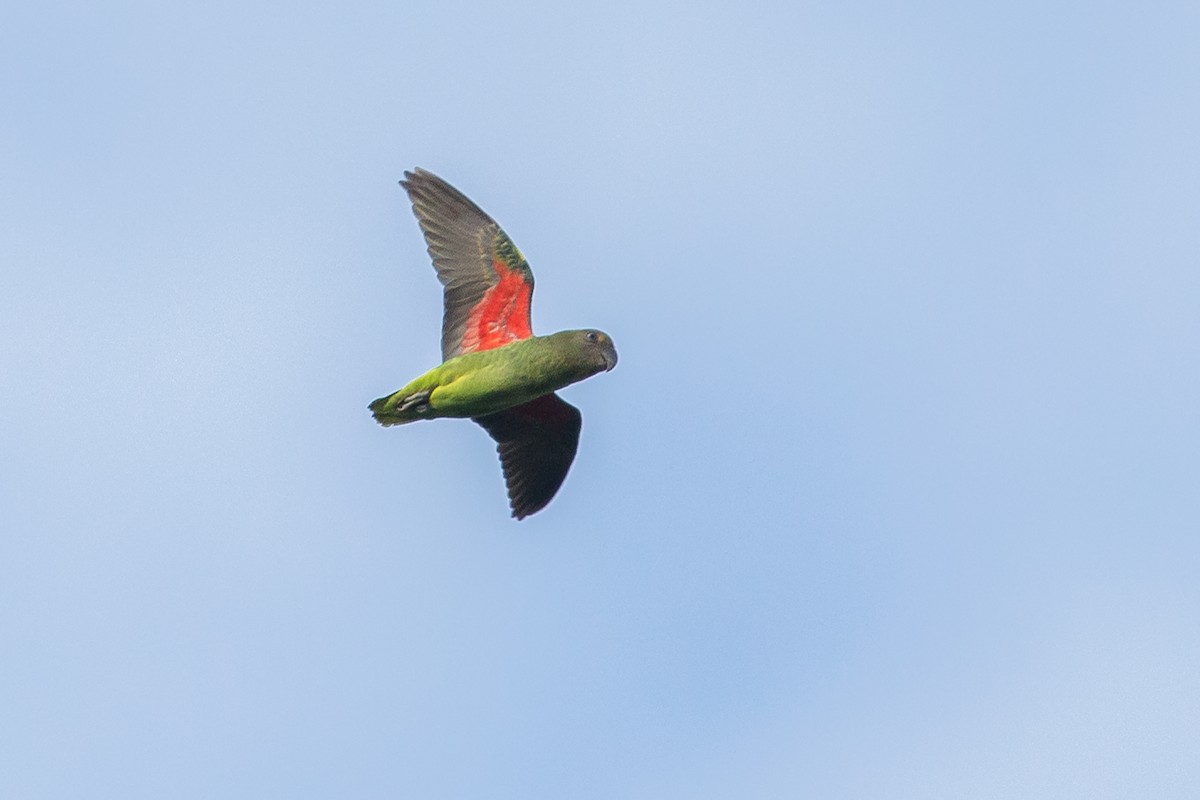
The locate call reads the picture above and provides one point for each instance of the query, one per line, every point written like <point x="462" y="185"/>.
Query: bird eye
<point x="592" y="337"/>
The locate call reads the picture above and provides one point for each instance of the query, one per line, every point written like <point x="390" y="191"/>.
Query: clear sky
<point x="893" y="494"/>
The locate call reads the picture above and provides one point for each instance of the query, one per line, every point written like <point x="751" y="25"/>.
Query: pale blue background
<point x="893" y="494"/>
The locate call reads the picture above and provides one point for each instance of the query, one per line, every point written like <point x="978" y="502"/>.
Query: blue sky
<point x="893" y="494"/>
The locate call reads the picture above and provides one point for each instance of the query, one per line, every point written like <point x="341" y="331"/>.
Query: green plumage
<point x="486" y="381"/>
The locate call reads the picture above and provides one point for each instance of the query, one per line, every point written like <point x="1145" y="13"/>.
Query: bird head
<point x="594" y="348"/>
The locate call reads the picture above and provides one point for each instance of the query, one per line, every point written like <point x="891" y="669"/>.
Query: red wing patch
<point x="502" y="314"/>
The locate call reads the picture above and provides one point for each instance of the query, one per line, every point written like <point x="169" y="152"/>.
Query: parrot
<point x="494" y="371"/>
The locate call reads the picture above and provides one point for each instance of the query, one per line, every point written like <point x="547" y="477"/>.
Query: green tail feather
<point x="397" y="409"/>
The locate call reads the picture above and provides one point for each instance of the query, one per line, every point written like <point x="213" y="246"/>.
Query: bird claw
<point x="418" y="403"/>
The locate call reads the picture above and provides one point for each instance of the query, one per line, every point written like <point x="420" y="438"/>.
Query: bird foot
<point x="418" y="403"/>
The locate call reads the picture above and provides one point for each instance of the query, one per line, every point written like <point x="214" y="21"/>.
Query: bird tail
<point x="400" y="408"/>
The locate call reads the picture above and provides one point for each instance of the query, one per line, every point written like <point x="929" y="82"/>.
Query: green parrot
<point x="494" y="370"/>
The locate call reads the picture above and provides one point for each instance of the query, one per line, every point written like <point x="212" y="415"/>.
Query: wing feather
<point x="536" y="442"/>
<point x="488" y="284"/>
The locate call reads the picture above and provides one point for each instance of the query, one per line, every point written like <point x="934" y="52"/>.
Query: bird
<point x="494" y="371"/>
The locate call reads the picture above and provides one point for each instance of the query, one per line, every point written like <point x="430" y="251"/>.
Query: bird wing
<point x="537" y="443"/>
<point x="488" y="284"/>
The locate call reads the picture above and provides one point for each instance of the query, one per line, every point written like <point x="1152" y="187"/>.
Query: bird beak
<point x="610" y="359"/>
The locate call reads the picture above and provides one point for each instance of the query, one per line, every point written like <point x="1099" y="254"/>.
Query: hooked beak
<point x="610" y="358"/>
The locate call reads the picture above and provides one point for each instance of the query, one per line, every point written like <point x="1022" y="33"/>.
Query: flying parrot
<point x="494" y="370"/>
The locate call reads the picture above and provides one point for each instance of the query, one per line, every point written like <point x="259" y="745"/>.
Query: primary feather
<point x="488" y="285"/>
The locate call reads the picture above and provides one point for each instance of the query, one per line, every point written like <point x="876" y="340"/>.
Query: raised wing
<point x="488" y="284"/>
<point x="537" y="443"/>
